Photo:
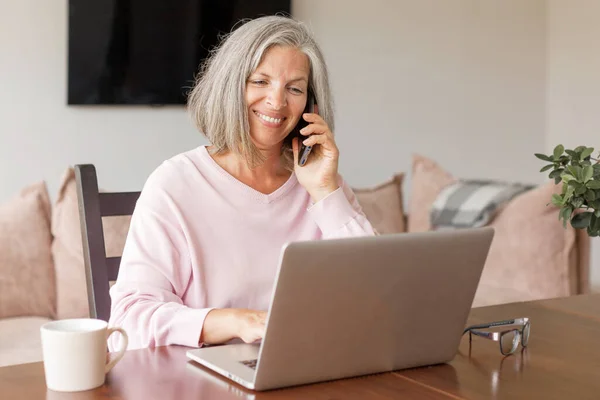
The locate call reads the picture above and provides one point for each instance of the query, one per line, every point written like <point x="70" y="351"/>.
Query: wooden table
<point x="561" y="362"/>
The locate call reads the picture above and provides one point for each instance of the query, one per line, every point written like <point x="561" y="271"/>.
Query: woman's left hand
<point x="319" y="174"/>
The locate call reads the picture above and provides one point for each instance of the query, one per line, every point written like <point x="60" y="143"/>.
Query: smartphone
<point x="304" y="150"/>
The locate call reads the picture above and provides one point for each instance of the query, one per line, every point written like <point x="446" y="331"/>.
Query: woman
<point x="203" y="247"/>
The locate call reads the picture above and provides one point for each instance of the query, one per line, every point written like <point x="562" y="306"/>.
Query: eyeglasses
<point x="508" y="339"/>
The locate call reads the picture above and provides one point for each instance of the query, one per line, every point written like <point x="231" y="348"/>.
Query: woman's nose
<point x="277" y="99"/>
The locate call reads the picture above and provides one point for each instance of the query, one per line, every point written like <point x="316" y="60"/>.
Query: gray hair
<point x="217" y="102"/>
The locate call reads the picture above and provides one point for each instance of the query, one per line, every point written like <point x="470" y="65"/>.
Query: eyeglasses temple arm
<point x="491" y="324"/>
<point x="489" y="335"/>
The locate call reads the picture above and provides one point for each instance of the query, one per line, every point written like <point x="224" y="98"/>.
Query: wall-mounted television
<point x="147" y="51"/>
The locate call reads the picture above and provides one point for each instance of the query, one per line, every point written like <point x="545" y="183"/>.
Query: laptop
<point x="342" y="308"/>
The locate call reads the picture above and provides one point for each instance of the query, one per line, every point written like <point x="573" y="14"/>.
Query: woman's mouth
<point x="269" y="121"/>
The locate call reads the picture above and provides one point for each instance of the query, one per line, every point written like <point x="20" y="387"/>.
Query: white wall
<point x="461" y="81"/>
<point x="40" y="136"/>
<point x="573" y="86"/>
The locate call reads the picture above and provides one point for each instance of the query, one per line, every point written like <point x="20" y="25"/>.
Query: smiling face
<point x="276" y="95"/>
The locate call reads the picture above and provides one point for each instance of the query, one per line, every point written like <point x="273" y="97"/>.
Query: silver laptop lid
<point x="349" y="307"/>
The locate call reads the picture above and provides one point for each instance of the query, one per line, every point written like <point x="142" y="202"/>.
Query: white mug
<point x="75" y="353"/>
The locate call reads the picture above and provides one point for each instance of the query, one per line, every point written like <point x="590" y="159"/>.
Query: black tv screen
<point x="147" y="51"/>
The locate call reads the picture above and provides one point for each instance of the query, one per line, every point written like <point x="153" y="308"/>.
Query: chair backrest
<point x="93" y="205"/>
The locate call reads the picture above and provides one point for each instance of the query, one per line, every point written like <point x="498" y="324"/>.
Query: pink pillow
<point x="531" y="256"/>
<point x="67" y="248"/>
<point x="26" y="270"/>
<point x="428" y="180"/>
<point x="383" y="206"/>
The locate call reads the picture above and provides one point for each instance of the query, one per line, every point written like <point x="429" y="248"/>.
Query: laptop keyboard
<point x="250" y="363"/>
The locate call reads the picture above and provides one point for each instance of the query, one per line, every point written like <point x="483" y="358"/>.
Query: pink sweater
<point x="200" y="239"/>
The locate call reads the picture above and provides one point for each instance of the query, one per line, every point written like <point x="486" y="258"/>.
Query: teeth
<point x="269" y="119"/>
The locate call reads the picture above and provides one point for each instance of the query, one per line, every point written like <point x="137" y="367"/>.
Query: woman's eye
<point x="296" y="90"/>
<point x="259" y="82"/>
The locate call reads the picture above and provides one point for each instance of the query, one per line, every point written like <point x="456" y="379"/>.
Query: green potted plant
<point x="579" y="173"/>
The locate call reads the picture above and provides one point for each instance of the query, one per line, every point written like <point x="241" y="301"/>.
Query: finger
<point x="312" y="117"/>
<point x="258" y="334"/>
<point x="316" y="139"/>
<point x="315" y="129"/>
<point x="264" y="316"/>
<point x="252" y="338"/>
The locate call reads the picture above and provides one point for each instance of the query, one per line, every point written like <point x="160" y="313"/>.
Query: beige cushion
<point x="67" y="248"/>
<point x="26" y="269"/>
<point x="531" y="255"/>
<point x="383" y="206"/>
<point x="20" y="340"/>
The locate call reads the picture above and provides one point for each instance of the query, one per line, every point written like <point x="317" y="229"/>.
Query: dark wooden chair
<point x="93" y="205"/>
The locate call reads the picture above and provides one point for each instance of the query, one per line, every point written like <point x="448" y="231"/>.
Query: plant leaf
<point x="593" y="184"/>
<point x="569" y="193"/>
<point x="572" y="153"/>
<point x="557" y="200"/>
<point x="582" y="220"/>
<point x="544" y="157"/>
<point x="547" y="167"/>
<point x="588" y="173"/>
<point x="568" y="177"/>
<point x="587" y="152"/>
<point x="595" y="222"/>
<point x="575" y="170"/>
<point x="556" y="173"/>
<point x="577" y="202"/>
<point x="580" y="149"/>
<point x="565" y="214"/>
<point x="594" y="228"/>
<point x="581" y="189"/>
<point x="590" y="195"/>
<point x="558" y="150"/>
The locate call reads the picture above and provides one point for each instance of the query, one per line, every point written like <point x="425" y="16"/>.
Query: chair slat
<point x="114" y="204"/>
<point x="99" y="269"/>
<point x="112" y="267"/>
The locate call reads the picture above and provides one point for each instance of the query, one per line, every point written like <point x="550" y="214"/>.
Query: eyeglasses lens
<point x="525" y="338"/>
<point x="509" y="341"/>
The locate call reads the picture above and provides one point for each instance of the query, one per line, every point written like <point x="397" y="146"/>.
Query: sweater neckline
<point x="247" y="190"/>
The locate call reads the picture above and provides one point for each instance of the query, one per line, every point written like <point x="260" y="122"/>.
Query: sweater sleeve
<point x="339" y="215"/>
<point x="154" y="273"/>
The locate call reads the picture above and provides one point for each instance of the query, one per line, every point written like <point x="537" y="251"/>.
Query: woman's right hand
<point x="251" y="325"/>
<point x="222" y="325"/>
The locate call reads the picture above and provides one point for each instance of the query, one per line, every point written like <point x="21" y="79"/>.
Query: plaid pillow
<point x="471" y="203"/>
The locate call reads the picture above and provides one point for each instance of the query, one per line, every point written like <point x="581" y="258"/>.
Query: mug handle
<point x="121" y="352"/>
